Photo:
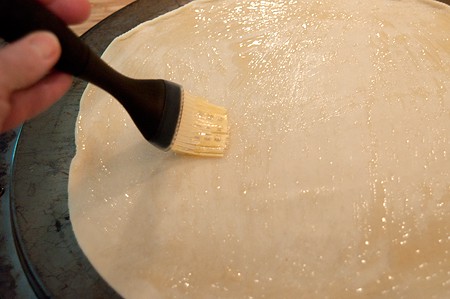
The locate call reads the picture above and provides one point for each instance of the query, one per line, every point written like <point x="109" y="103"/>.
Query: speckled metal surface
<point x="44" y="259"/>
<point x="13" y="281"/>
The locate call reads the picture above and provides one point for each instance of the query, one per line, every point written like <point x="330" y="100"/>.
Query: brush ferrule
<point x="170" y="117"/>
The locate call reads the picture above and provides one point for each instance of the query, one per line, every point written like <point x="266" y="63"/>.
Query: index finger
<point x="71" y="11"/>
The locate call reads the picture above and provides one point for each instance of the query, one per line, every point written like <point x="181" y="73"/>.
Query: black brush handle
<point x="144" y="100"/>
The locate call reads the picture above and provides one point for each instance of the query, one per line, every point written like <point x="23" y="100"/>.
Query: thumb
<point x="26" y="61"/>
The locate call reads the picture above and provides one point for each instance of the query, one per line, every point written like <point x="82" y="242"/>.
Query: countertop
<point x="100" y="9"/>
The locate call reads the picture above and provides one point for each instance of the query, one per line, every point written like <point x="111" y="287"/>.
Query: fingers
<point x="72" y="12"/>
<point x="27" y="103"/>
<point x="23" y="64"/>
<point x="26" y="61"/>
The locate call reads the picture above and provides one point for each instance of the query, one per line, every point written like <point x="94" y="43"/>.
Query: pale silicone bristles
<point x="203" y="128"/>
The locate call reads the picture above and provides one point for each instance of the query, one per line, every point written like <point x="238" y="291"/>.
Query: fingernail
<point x="44" y="44"/>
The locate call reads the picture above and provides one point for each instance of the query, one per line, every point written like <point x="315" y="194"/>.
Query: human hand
<point x="28" y="85"/>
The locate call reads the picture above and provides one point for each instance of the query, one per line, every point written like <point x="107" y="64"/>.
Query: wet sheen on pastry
<point x="336" y="183"/>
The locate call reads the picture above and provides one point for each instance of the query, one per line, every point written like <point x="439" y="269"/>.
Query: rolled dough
<point x="336" y="183"/>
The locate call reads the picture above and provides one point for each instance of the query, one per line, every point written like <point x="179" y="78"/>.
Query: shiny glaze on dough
<point x="337" y="180"/>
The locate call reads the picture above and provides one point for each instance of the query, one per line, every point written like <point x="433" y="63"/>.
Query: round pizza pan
<point x="48" y="251"/>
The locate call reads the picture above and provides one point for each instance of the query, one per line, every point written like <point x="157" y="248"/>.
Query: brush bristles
<point x="202" y="130"/>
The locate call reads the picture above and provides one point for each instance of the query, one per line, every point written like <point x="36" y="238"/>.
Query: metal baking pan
<point x="39" y="255"/>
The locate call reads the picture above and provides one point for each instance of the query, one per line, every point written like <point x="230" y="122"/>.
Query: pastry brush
<point x="166" y="115"/>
